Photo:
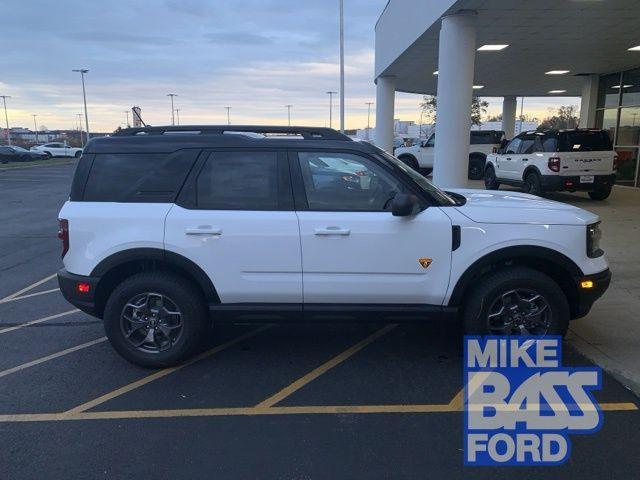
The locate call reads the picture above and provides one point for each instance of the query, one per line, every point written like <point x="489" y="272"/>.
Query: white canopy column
<point x="589" y="101"/>
<point x="509" y="107"/>
<point x="456" y="62"/>
<point x="385" y="104"/>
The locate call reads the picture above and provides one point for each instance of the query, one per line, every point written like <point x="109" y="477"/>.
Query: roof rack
<point x="308" y="133"/>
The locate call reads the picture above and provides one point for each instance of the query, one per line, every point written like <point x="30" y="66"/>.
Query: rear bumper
<point x="84" y="300"/>
<point x="572" y="183"/>
<point x="587" y="296"/>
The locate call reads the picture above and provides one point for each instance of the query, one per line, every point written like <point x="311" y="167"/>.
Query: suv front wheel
<point x="516" y="301"/>
<point x="155" y="320"/>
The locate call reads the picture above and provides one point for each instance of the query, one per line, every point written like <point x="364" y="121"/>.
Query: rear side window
<point x="486" y="137"/>
<point x="584" y="141"/>
<point x="138" y="177"/>
<point x="239" y="181"/>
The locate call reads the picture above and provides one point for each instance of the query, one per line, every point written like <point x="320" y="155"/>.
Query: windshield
<point x="441" y="197"/>
<point x="19" y="149"/>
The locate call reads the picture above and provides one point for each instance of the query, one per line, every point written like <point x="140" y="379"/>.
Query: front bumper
<point x="69" y="286"/>
<point x="559" y="183"/>
<point x="587" y="296"/>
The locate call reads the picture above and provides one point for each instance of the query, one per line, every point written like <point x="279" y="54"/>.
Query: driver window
<point x="346" y="182"/>
<point x="513" y="146"/>
<point x="432" y="141"/>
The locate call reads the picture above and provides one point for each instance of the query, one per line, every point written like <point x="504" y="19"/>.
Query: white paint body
<point x="330" y="257"/>
<point x="57" y="149"/>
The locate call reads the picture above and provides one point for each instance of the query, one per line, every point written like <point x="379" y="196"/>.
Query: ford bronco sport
<point x="168" y="229"/>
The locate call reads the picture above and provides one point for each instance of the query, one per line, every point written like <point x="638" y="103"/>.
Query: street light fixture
<point x="6" y="117"/>
<point x="173" y="119"/>
<point x="368" y="116"/>
<point x="82" y="71"/>
<point x="331" y="94"/>
<point x="35" y="126"/>
<point x="289" y="113"/>
<point x="228" y="115"/>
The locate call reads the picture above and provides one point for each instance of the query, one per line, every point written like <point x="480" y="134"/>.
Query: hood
<point x="490" y="206"/>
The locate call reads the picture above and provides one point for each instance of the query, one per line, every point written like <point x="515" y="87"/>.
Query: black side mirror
<point x="404" y="204"/>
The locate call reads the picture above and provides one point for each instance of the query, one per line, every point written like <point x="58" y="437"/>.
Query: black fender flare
<point x="165" y="257"/>
<point x="529" y="169"/>
<point x="512" y="254"/>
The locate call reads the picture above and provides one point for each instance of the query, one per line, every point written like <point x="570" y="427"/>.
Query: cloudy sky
<point x="253" y="55"/>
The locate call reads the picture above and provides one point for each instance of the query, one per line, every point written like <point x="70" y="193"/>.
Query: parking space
<point x="260" y="401"/>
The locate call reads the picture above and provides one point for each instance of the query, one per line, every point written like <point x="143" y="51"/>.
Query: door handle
<point x="508" y="158"/>
<point x="333" y="231"/>
<point x="525" y="159"/>
<point x="203" y="230"/>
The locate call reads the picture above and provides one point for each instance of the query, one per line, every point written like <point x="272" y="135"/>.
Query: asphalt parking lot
<point x="260" y="401"/>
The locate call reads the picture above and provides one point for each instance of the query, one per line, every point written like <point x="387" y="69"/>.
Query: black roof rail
<point x="308" y="133"/>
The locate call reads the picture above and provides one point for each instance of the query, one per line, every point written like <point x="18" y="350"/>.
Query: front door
<point x="241" y="228"/>
<point x="508" y="162"/>
<point x="427" y="152"/>
<point x="353" y="249"/>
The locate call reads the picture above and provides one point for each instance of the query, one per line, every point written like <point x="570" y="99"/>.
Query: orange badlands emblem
<point x="425" y="262"/>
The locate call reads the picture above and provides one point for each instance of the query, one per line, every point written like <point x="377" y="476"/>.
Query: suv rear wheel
<point x="532" y="184"/>
<point x="155" y="320"/>
<point x="601" y="193"/>
<point x="516" y="301"/>
<point x="476" y="167"/>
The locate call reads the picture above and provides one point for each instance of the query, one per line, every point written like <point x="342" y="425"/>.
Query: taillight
<point x="615" y="162"/>
<point x="63" y="234"/>
<point x="554" y="164"/>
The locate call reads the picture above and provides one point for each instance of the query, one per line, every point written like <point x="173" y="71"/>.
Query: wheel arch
<point x="530" y="169"/>
<point x="556" y="265"/>
<point x="115" y="268"/>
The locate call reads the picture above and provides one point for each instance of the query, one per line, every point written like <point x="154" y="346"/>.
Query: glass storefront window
<point x="631" y="87"/>
<point x="629" y="129"/>
<point x="606" y="119"/>
<point x="609" y="90"/>
<point x="627" y="159"/>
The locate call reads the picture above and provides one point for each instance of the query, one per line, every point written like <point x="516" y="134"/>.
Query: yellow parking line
<point x="38" y="361"/>
<point x="38" y="320"/>
<point x="162" y="373"/>
<point x="27" y="288"/>
<point x="301" y="382"/>
<point x="254" y="411"/>
<point x="29" y="295"/>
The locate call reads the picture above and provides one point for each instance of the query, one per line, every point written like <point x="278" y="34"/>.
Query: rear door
<point x="235" y="220"/>
<point x="354" y="250"/>
<point x="427" y="152"/>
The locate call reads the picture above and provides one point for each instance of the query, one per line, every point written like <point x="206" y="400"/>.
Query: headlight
<point x="593" y="240"/>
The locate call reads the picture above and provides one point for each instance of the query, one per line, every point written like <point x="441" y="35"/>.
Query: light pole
<point x="173" y="120"/>
<point x="79" y="115"/>
<point x="35" y="125"/>
<point x="368" y="116"/>
<point x="178" y="116"/>
<point x="342" y="66"/>
<point x="228" y="115"/>
<point x="82" y="71"/>
<point x="331" y="94"/>
<point x="6" y="117"/>
<point x="127" y="113"/>
<point x="289" y="113"/>
<point x="521" y="116"/>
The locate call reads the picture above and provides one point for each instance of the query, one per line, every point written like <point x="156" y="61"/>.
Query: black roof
<point x="172" y="138"/>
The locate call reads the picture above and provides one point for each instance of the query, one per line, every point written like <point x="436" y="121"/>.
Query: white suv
<point x="555" y="160"/>
<point x="170" y="228"/>
<point x="420" y="155"/>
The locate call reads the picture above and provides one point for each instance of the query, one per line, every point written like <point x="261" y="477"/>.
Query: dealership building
<point x="511" y="48"/>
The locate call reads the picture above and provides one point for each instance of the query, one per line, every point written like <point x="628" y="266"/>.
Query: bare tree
<point x="565" y="117"/>
<point x="429" y="109"/>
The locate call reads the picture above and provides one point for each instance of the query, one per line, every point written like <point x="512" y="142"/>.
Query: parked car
<point x="18" y="154"/>
<point x="57" y="150"/>
<point x="556" y="160"/>
<point x="420" y="156"/>
<point x="164" y="234"/>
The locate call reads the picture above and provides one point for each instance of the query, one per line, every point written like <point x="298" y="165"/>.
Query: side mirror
<point x="403" y="205"/>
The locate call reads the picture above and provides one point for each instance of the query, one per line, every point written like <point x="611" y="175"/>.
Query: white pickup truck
<point x="555" y="160"/>
<point x="482" y="143"/>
